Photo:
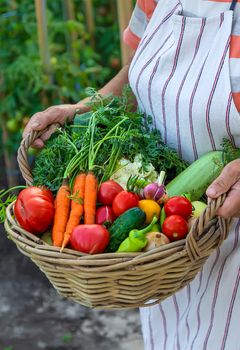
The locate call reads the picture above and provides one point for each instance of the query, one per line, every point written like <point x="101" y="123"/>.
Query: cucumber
<point x="133" y="218"/>
<point x="196" y="178"/>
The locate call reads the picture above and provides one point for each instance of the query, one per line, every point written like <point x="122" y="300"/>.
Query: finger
<point x="219" y="186"/>
<point x="46" y="135"/>
<point x="228" y="177"/>
<point x="38" y="121"/>
<point x="38" y="143"/>
<point x="231" y="205"/>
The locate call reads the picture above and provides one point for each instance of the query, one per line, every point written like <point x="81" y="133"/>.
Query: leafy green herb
<point x="4" y="203"/>
<point x="98" y="139"/>
<point x="230" y="151"/>
<point x="53" y="159"/>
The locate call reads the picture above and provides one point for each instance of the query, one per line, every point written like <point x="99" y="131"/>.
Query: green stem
<point x="148" y="228"/>
<point x="11" y="189"/>
<point x="97" y="146"/>
<point x="161" y="178"/>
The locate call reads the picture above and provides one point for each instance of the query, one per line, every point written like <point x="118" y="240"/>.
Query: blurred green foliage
<point x="24" y="86"/>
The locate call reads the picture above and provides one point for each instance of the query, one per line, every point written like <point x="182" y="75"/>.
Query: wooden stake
<point x="40" y="7"/>
<point x="69" y="14"/>
<point x="125" y="9"/>
<point x="90" y="20"/>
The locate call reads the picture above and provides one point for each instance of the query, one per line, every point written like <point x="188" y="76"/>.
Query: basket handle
<point x="22" y="156"/>
<point x="202" y="226"/>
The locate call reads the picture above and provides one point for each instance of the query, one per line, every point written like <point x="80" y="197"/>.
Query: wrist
<point x="72" y="109"/>
<point x="82" y="105"/>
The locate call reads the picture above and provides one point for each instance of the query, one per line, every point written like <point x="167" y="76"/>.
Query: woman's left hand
<point x="228" y="181"/>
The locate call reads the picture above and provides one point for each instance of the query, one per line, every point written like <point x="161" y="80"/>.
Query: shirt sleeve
<point x="138" y="22"/>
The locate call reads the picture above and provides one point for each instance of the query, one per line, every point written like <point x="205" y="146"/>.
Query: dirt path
<point x="33" y="316"/>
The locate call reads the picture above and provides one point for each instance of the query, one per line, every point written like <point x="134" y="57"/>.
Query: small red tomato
<point x="90" y="239"/>
<point x="175" y="227"/>
<point x="108" y="191"/>
<point x="179" y="206"/>
<point x="105" y="216"/>
<point x="123" y="201"/>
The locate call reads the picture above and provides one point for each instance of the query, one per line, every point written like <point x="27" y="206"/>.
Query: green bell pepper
<point x="136" y="239"/>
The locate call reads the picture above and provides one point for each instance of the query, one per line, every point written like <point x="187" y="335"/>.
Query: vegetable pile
<point x="108" y="183"/>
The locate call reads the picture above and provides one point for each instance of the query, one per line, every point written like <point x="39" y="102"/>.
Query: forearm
<point x="114" y="86"/>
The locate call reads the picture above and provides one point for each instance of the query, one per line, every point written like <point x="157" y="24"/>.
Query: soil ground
<point x="33" y="316"/>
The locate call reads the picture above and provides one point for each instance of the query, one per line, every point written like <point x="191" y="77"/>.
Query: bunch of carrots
<point x="70" y="208"/>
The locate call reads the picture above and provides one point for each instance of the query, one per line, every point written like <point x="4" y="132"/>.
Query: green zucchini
<point x="196" y="178"/>
<point x="133" y="218"/>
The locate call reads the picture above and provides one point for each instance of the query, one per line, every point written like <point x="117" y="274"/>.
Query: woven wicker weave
<point x="120" y="280"/>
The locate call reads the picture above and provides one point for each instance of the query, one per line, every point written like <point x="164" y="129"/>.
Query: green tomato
<point x="53" y="61"/>
<point x="198" y="208"/>
<point x="32" y="151"/>
<point x="12" y="125"/>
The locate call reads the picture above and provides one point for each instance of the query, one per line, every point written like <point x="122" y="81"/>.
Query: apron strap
<point x="233" y="4"/>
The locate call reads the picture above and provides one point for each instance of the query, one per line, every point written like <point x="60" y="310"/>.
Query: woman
<point x="186" y="75"/>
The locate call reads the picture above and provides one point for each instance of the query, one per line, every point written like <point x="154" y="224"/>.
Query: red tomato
<point x="34" y="209"/>
<point x="108" y="191"/>
<point x="179" y="206"/>
<point x="105" y="216"/>
<point x="90" y="239"/>
<point x="123" y="201"/>
<point x="175" y="227"/>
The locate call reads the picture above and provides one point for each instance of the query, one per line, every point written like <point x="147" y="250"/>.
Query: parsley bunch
<point x="99" y="139"/>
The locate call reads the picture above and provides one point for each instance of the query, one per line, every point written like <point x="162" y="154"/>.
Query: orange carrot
<point x="90" y="199"/>
<point x="76" y="207"/>
<point x="62" y="208"/>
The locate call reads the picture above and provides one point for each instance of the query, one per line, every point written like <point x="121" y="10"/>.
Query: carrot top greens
<point x="98" y="139"/>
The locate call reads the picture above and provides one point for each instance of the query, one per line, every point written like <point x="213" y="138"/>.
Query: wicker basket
<point x="120" y="280"/>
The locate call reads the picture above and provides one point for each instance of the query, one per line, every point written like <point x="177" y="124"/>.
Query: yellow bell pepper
<point x="150" y="208"/>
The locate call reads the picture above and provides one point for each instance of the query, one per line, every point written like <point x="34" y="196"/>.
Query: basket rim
<point x="36" y="246"/>
<point x="41" y="245"/>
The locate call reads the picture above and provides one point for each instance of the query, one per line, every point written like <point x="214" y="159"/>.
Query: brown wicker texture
<point x="120" y="280"/>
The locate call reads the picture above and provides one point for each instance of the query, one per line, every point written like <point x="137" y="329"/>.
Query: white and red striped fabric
<point x="180" y="75"/>
<point x="200" y="8"/>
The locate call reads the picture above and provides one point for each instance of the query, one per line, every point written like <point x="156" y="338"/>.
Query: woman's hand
<point x="55" y="114"/>
<point x="227" y="181"/>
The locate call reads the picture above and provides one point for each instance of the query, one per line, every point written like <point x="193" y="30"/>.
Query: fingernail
<point x="211" y="192"/>
<point x="35" y="125"/>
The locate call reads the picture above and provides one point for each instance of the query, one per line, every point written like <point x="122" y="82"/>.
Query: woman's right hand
<point x="52" y="115"/>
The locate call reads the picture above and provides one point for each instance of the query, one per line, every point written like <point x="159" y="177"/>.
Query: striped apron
<point x="180" y="76"/>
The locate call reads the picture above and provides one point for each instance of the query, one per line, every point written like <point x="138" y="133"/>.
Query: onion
<point x="155" y="190"/>
<point x="155" y="240"/>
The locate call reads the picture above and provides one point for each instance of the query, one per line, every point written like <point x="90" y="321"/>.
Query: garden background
<point x="50" y="52"/>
